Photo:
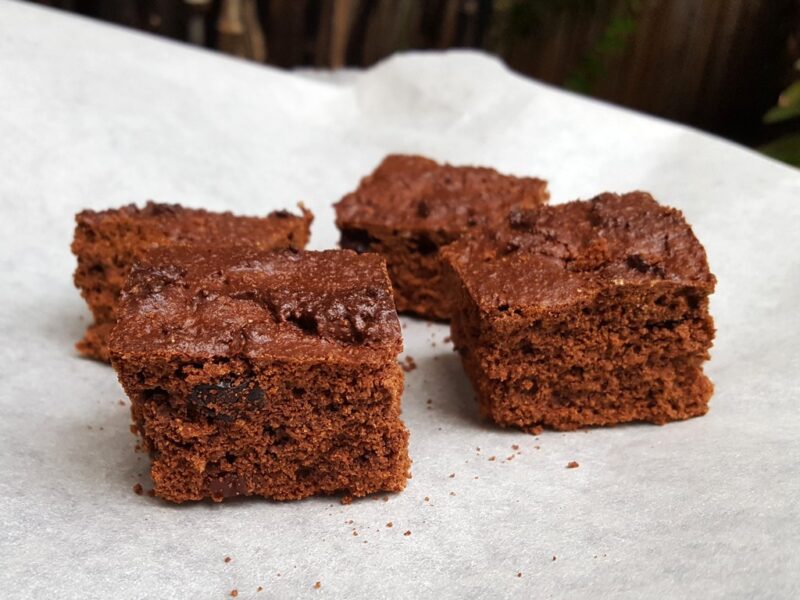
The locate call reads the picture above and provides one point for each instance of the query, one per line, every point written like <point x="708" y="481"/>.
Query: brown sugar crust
<point x="586" y="313"/>
<point x="270" y="374"/>
<point x="107" y="243"/>
<point x="411" y="206"/>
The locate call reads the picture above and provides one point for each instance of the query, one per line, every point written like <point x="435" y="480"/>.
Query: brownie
<point x="263" y="373"/>
<point x="410" y="207"/>
<point x="587" y="313"/>
<point x="107" y="243"/>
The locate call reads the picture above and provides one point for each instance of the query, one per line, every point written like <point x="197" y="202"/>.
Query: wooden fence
<point x="717" y="64"/>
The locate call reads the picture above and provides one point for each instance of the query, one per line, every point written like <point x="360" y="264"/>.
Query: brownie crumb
<point x="492" y="458"/>
<point x="452" y="475"/>
<point x="519" y="574"/>
<point x="452" y="493"/>
<point x="259" y="589"/>
<point x="427" y="499"/>
<point x="390" y="524"/>
<point x="515" y="446"/>
<point x="355" y="534"/>
<point x="138" y="489"/>
<point x="407" y="533"/>
<point x="317" y="585"/>
<point x="227" y="559"/>
<point x="234" y="593"/>
<point x="572" y="465"/>
<point x="554" y="558"/>
<point x="409" y="364"/>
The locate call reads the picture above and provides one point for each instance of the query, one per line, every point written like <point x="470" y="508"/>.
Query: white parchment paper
<point x="96" y="116"/>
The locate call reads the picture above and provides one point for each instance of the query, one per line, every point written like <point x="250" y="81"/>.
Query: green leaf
<point x="785" y="149"/>
<point x="788" y="105"/>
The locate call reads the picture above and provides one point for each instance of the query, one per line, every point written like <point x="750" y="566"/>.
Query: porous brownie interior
<point x="107" y="243"/>
<point x="414" y="266"/>
<point x="275" y="429"/>
<point x="629" y="355"/>
<point x="411" y="206"/>
<point x="591" y="313"/>
<point x="264" y="373"/>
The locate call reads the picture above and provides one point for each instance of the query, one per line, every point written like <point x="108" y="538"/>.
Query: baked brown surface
<point x="586" y="313"/>
<point x="106" y="244"/>
<point x="411" y="206"/>
<point x="263" y="373"/>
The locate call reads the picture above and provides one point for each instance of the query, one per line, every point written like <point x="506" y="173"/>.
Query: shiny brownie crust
<point x="107" y="243"/>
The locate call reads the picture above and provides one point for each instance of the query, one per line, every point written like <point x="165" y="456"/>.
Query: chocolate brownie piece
<point x="263" y="373"/>
<point x="107" y="243"/>
<point x="410" y="207"/>
<point x="586" y="313"/>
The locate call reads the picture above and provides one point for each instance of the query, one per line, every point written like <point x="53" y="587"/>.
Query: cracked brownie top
<point x="416" y="193"/>
<point x="300" y="306"/>
<point x="562" y="254"/>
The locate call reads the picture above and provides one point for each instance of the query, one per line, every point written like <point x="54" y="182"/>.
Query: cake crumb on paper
<point x="409" y="364"/>
<point x="234" y="593"/>
<point x="390" y="524"/>
<point x="138" y="489"/>
<point x="317" y="585"/>
<point x="227" y="559"/>
<point x="572" y="464"/>
<point x="407" y="533"/>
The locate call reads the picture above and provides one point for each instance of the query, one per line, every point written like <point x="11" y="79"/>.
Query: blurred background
<point x="731" y="67"/>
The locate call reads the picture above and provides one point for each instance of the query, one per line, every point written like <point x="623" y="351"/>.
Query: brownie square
<point x="411" y="206"/>
<point x="263" y="373"/>
<point x="586" y="313"/>
<point x="106" y="243"/>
